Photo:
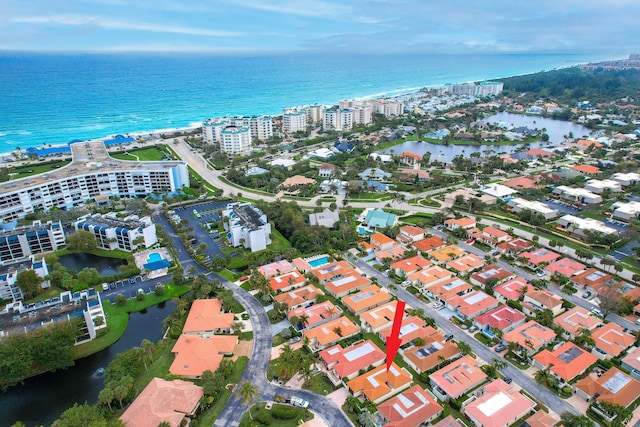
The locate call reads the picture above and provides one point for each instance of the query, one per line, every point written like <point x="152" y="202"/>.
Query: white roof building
<point x="518" y="205"/>
<point x="579" y="195"/>
<point x="322" y="153"/>
<point x="598" y="186"/>
<point x="625" y="210"/>
<point x="497" y="190"/>
<point x="626" y="179"/>
<point x="326" y="218"/>
<point x="578" y="226"/>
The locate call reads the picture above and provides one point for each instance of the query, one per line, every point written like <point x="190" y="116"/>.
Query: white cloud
<point x="309" y="8"/>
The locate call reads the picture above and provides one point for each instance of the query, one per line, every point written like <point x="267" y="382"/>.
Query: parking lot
<point x="129" y="287"/>
<point x="560" y="206"/>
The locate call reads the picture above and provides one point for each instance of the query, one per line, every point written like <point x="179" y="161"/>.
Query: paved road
<point x="255" y="372"/>
<point x="523" y="380"/>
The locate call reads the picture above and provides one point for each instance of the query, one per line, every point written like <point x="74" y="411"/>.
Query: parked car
<point x="473" y="328"/>
<point x="132" y="280"/>
<point x="244" y="279"/>
<point x="448" y="337"/>
<point x="105" y="286"/>
<point x="470" y="241"/>
<point x="507" y="379"/>
<point x="597" y="312"/>
<point x="540" y="273"/>
<point x="586" y="295"/>
<point x="301" y="403"/>
<point x="499" y="348"/>
<point x="438" y="305"/>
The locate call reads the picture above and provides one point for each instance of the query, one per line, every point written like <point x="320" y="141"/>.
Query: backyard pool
<point x="319" y="261"/>
<point x="364" y="231"/>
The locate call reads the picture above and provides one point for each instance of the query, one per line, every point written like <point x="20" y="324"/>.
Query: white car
<point x="300" y="403"/>
<point x="438" y="305"/>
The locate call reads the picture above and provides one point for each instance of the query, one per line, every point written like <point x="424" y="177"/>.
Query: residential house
<point x="315" y="315"/>
<point x="577" y="195"/>
<point x="412" y="408"/>
<point x="626" y="179"/>
<point x="511" y="289"/>
<point x="614" y="386"/>
<point x="586" y="169"/>
<point x="206" y="317"/>
<point x="429" y="276"/>
<point x="497" y="190"/>
<point x="625" y="211"/>
<point x="195" y="354"/>
<point x="446" y="254"/>
<point x="390" y="255"/>
<point x="517" y="205"/>
<point x="531" y="336"/>
<point x="348" y="362"/>
<point x="540" y="299"/>
<point x="327" y="218"/>
<point x="329" y="333"/>
<point x="377" y="218"/>
<point x="327" y="170"/>
<point x="380" y="384"/>
<point x="374" y="174"/>
<point x="466" y="264"/>
<point x="276" y="268"/>
<point x="448" y="288"/>
<point x="598" y="186"/>
<point x="294" y="298"/>
<point x="611" y="341"/>
<point x="471" y="305"/>
<point x="631" y="362"/>
<point x="410" y="159"/>
<point x="566" y="267"/>
<point x="574" y="320"/>
<point x="449" y="421"/>
<point x="502" y="318"/>
<point x="413" y="327"/>
<point x="541" y="419"/>
<point x="491" y="236"/>
<point x="514" y="247"/>
<point x="410" y="234"/>
<point x="566" y="362"/>
<point x="500" y="405"/>
<point x="379" y="318"/>
<point x="381" y="241"/>
<point x="428" y="244"/>
<point x="581" y="228"/>
<point x="457" y="378"/>
<point x="434" y="353"/>
<point x="465" y="223"/>
<point x="369" y="297"/>
<point x="593" y="279"/>
<point x="287" y="281"/>
<point x="540" y="257"/>
<point x="405" y="267"/>
<point x="413" y="175"/>
<point x="467" y="195"/>
<point x="332" y="271"/>
<point x="163" y="401"/>
<point x="491" y="271"/>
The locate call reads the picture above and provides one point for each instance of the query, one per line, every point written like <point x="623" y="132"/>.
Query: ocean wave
<point x="392" y="92"/>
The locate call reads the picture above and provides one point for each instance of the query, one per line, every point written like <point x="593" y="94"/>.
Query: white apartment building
<point x="92" y="175"/>
<point x="624" y="211"/>
<point x="246" y="226"/>
<point x="577" y="195"/>
<point x="260" y="127"/>
<point x="294" y="122"/>
<point x="626" y="179"/>
<point x="518" y="205"/>
<point x="9" y="274"/>
<point x="341" y="119"/>
<point x="112" y="232"/>
<point x="486" y="88"/>
<point x="235" y="141"/>
<point x="388" y="107"/>
<point x="21" y="242"/>
<point x="578" y="226"/>
<point x="597" y="186"/>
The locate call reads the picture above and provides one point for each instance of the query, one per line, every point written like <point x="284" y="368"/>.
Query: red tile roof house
<point x="411" y="175"/>
<point x="631" y="362"/>
<point x="347" y="362"/>
<point x="500" y="405"/>
<point x="611" y="341"/>
<point x="325" y="335"/>
<point x="510" y="290"/>
<point x="345" y="285"/>
<point x="574" y="320"/>
<point x="378" y="318"/>
<point x="503" y="318"/>
<point x="592" y="278"/>
<point x="316" y="314"/>
<point x="457" y="378"/>
<point x="368" y="298"/>
<point x="410" y="265"/>
<point x="471" y="305"/>
<point x="390" y="255"/>
<point x="276" y="268"/>
<point x="491" y="236"/>
<point x="566" y="362"/>
<point x="430" y="243"/>
<point x="413" y="327"/>
<point x="540" y="257"/>
<point x="162" y="400"/>
<point x="542" y="419"/>
<point x="586" y="169"/>
<point x="436" y="352"/>
<point x="410" y="159"/>
<point x="382" y="241"/>
<point x="465" y="223"/>
<point x="429" y="276"/>
<point x="379" y="384"/>
<point x="449" y="421"/>
<point x="521" y="182"/>
<point x="327" y="170"/>
<point x="287" y="281"/>
<point x="531" y="336"/>
<point x="333" y="271"/>
<point x="195" y="354"/>
<point x="299" y="297"/>
<point x="206" y="317"/>
<point x="565" y="266"/>
<point x="535" y="300"/>
<point x="449" y="288"/>
<point x="466" y="264"/>
<point x="491" y="271"/>
<point x="514" y="247"/>
<point x="409" y="234"/>
<point x="613" y="386"/>
<point x="412" y="408"/>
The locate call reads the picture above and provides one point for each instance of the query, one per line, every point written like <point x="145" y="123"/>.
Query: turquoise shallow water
<point x="52" y="99"/>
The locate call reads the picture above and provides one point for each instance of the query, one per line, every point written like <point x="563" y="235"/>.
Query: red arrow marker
<point x="394" y="340"/>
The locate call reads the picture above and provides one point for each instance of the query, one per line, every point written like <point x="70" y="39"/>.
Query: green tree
<point x="84" y="415"/>
<point x="29" y="282"/>
<point x="567" y="419"/>
<point x="106" y="397"/>
<point x="248" y="393"/>
<point x="464" y="347"/>
<point x="82" y="240"/>
<point x="545" y="378"/>
<point x="622" y="413"/>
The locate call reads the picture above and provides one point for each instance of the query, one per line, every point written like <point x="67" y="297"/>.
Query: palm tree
<point x="544" y="377"/>
<point x="287" y="355"/>
<point x="331" y="310"/>
<point x="106" y="397"/>
<point x="338" y="331"/>
<point x="498" y="364"/>
<point x="567" y="419"/>
<point x="304" y="320"/>
<point x="584" y="338"/>
<point x="148" y="347"/>
<point x="248" y="392"/>
<point x="464" y="347"/>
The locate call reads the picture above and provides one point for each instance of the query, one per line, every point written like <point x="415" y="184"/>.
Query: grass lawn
<point x="227" y="274"/>
<point x="116" y="253"/>
<point x="153" y="154"/>
<point x="279" y="242"/>
<point x="320" y="384"/>
<point x="35" y="169"/>
<point x="207" y="418"/>
<point x="297" y="415"/>
<point x="162" y="360"/>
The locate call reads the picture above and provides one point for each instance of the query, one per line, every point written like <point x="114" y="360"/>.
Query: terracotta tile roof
<point x="532" y="332"/>
<point x="511" y="288"/>
<point x="520" y="183"/>
<point x="163" y="400"/>
<point x="348" y="361"/>
<point x="276" y="268"/>
<point x="449" y="288"/>
<point x="411" y="230"/>
<point x="428" y="356"/>
<point x="336" y="269"/>
<point x="500" y="405"/>
<point x="394" y="253"/>
<point x="195" y="354"/>
<point x="473" y="303"/>
<point x="316" y="314"/>
<point x="325" y="334"/>
<point x="459" y="377"/>
<point x="347" y="284"/>
<point x="205" y="316"/>
<point x="588" y="169"/>
<point x="465" y="263"/>
<point x="429" y="243"/>
<point x="379" y="317"/>
<point x="565" y="266"/>
<point x="612" y="340"/>
<point x="414" y="327"/>
<point x="567" y="361"/>
<point x="292" y="279"/>
<point x="491" y="271"/>
<point x="412" y="155"/>
<point x="371" y="296"/>
<point x="379" y="383"/>
<point x="410" y="409"/>
<point x="503" y="318"/>
<point x="588" y="143"/>
<point x="297" y="180"/>
<point x="429" y="276"/>
<point x="576" y="318"/>
<point x="299" y="296"/>
<point x="447" y="253"/>
<point x="516" y="245"/>
<point x="592" y="277"/>
<point x="410" y="265"/>
<point x="379" y="239"/>
<point x="542" y="419"/>
<point x="449" y="421"/>
<point x="540" y="255"/>
<point x="539" y="152"/>
<point x="494" y="232"/>
<point x="613" y="386"/>
<point x="461" y="222"/>
<point x="633" y="358"/>
<point x="408" y="173"/>
<point x="544" y="298"/>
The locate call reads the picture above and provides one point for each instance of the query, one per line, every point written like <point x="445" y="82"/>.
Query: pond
<point x="105" y="266"/>
<point x="556" y="129"/>
<point x="42" y="399"/>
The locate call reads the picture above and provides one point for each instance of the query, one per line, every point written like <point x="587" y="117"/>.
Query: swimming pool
<point x="364" y="231"/>
<point x="154" y="257"/>
<point x="319" y="261"/>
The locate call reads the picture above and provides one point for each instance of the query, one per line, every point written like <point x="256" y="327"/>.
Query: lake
<point x="556" y="129"/>
<point x="105" y="266"/>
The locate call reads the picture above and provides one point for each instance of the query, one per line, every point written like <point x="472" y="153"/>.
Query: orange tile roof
<point x="503" y="318"/>
<point x="205" y="316"/>
<point x="371" y="296"/>
<point x="588" y="143"/>
<point x="430" y="276"/>
<point x="289" y="280"/>
<point x="613" y="386"/>
<point x="565" y="266"/>
<point x="299" y="296"/>
<point x="428" y="356"/>
<point x="465" y="263"/>
<point x="449" y="421"/>
<point x="592" y="277"/>
<point x="450" y="288"/>
<point x="163" y="400"/>
<point x="531" y="332"/>
<point x="348" y="361"/>
<point x="459" y="377"/>
<point x="380" y="317"/>
<point x="379" y="383"/>
<point x="491" y="271"/>
<point x="414" y="327"/>
<point x="588" y="169"/>
<point x="567" y="361"/>
<point x="633" y="358"/>
<point x="380" y="239"/>
<point x="316" y="314"/>
<point x="195" y="354"/>
<point x="410" y="265"/>
<point x="540" y="152"/>
<point x="516" y="245"/>
<point x="411" y="230"/>
<point x="334" y="270"/>
<point x="393" y="253"/>
<point x="447" y="253"/>
<point x="276" y="268"/>
<point x="473" y="303"/>
<point x="540" y="255"/>
<point x="511" y="288"/>
<point x="494" y="232"/>
<point x="343" y="286"/>
<point x="412" y="408"/>
<point x="325" y="334"/>
<point x="500" y="405"/>
<point x="520" y="182"/>
<point x="542" y="419"/>
<point x="576" y="318"/>
<point x="612" y="339"/>
<point x="461" y="222"/>
<point x="544" y="298"/>
<point x="410" y="154"/>
<point x="429" y="243"/>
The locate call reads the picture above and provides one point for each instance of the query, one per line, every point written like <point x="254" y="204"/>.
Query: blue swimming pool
<point x="154" y="257"/>
<point x="364" y="231"/>
<point x="319" y="261"/>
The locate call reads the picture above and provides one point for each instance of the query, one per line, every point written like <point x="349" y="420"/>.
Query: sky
<point x="340" y="26"/>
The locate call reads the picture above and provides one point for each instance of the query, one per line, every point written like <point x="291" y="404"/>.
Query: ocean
<point x="55" y="98"/>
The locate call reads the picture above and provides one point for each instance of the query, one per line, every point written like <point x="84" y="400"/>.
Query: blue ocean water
<point x="52" y="99"/>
